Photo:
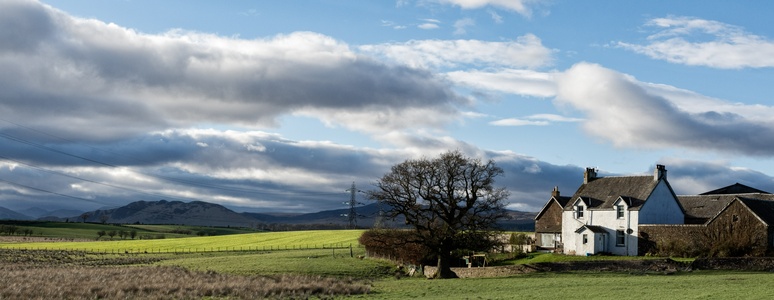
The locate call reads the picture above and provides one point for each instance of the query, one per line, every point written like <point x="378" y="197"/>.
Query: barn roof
<point x="736" y="188"/>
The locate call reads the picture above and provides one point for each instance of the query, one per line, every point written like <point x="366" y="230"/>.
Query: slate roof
<point x="736" y="188"/>
<point x="601" y="193"/>
<point x="558" y="199"/>
<point x="762" y="205"/>
<point x="701" y="208"/>
<point x="593" y="228"/>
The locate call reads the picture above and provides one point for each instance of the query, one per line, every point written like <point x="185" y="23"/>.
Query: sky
<point x="280" y="106"/>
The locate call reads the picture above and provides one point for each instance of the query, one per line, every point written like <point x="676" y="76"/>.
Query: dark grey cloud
<point x="694" y="177"/>
<point x="96" y="81"/>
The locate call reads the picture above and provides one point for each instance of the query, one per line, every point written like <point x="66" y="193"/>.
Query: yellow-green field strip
<point x="265" y="241"/>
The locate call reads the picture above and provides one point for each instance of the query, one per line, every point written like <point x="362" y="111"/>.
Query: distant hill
<point x="209" y="214"/>
<point x="7" y="214"/>
<point x="170" y="212"/>
<point x="37" y="213"/>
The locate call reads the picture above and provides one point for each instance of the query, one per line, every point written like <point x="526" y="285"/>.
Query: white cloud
<point x="526" y="51"/>
<point x="519" y="6"/>
<point x="678" y="40"/>
<point x="461" y="25"/>
<point x="535" y="120"/>
<point x="627" y="113"/>
<point x="495" y="17"/>
<point x="511" y="81"/>
<point x="428" y="26"/>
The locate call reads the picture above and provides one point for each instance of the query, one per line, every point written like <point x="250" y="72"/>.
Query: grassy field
<point x="694" y="285"/>
<point x="332" y="262"/>
<point x="373" y="276"/>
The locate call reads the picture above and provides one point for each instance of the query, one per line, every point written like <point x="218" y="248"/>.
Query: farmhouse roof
<point x="603" y="192"/>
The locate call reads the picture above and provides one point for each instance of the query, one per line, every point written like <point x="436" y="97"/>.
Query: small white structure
<point x="604" y="214"/>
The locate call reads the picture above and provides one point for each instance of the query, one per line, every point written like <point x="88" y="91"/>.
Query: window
<point x="585" y="238"/>
<point x="619" y="209"/>
<point x="579" y="212"/>
<point x="620" y="238"/>
<point x="735" y="218"/>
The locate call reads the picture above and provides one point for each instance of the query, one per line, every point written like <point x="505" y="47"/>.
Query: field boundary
<point x="136" y="250"/>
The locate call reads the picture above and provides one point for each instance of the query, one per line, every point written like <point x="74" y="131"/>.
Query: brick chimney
<point x="589" y="175"/>
<point x="555" y="192"/>
<point x="660" y="173"/>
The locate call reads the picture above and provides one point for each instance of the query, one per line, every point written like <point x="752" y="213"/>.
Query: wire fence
<point x="180" y="250"/>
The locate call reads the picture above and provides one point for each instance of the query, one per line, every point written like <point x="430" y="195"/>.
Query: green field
<point x="694" y="285"/>
<point x="345" y="263"/>
<point x="235" y="242"/>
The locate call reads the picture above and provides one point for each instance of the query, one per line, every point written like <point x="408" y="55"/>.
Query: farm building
<point x="634" y="215"/>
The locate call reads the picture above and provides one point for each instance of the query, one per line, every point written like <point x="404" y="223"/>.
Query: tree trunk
<point x="444" y="267"/>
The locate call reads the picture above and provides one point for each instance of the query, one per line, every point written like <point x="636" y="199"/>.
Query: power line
<point x="166" y="178"/>
<point x="88" y="180"/>
<point x="50" y="192"/>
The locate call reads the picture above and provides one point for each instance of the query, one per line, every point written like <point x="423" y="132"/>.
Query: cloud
<point x="511" y="81"/>
<point x="428" y="26"/>
<point x="246" y="169"/>
<point x="526" y="51"/>
<point x="679" y="40"/>
<point x="461" y="25"/>
<point x="519" y="6"/>
<point x="142" y="82"/>
<point x="690" y="177"/>
<point x="495" y="17"/>
<point x="534" y="120"/>
<point x="625" y="112"/>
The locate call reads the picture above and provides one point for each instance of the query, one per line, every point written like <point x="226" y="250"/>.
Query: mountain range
<point x="208" y="214"/>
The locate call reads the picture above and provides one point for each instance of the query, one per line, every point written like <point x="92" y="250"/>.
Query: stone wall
<point x="670" y="240"/>
<point x="499" y="271"/>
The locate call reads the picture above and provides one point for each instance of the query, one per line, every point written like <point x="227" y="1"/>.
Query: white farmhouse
<point x="604" y="214"/>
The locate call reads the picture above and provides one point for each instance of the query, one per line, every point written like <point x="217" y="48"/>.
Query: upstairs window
<point x="619" y="210"/>
<point x="579" y="212"/>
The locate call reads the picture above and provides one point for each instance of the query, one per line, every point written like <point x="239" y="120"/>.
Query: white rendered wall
<point x="661" y="207"/>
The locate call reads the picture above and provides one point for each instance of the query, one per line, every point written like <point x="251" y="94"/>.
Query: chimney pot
<point x="589" y="175"/>
<point x="660" y="172"/>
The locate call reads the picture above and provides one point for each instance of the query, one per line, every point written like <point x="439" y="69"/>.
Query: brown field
<point x="75" y="275"/>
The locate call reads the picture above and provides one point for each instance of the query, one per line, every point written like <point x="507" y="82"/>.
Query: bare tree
<point x="451" y="202"/>
<point x="111" y="234"/>
<point x="100" y="234"/>
<point x="104" y="218"/>
<point x="85" y="216"/>
<point x="133" y="233"/>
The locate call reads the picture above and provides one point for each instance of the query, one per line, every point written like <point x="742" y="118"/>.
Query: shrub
<point x="397" y="245"/>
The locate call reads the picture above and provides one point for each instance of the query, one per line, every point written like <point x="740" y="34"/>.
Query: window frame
<point x="579" y="211"/>
<point x="585" y="238"/>
<point x="620" y="211"/>
<point x="620" y="236"/>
